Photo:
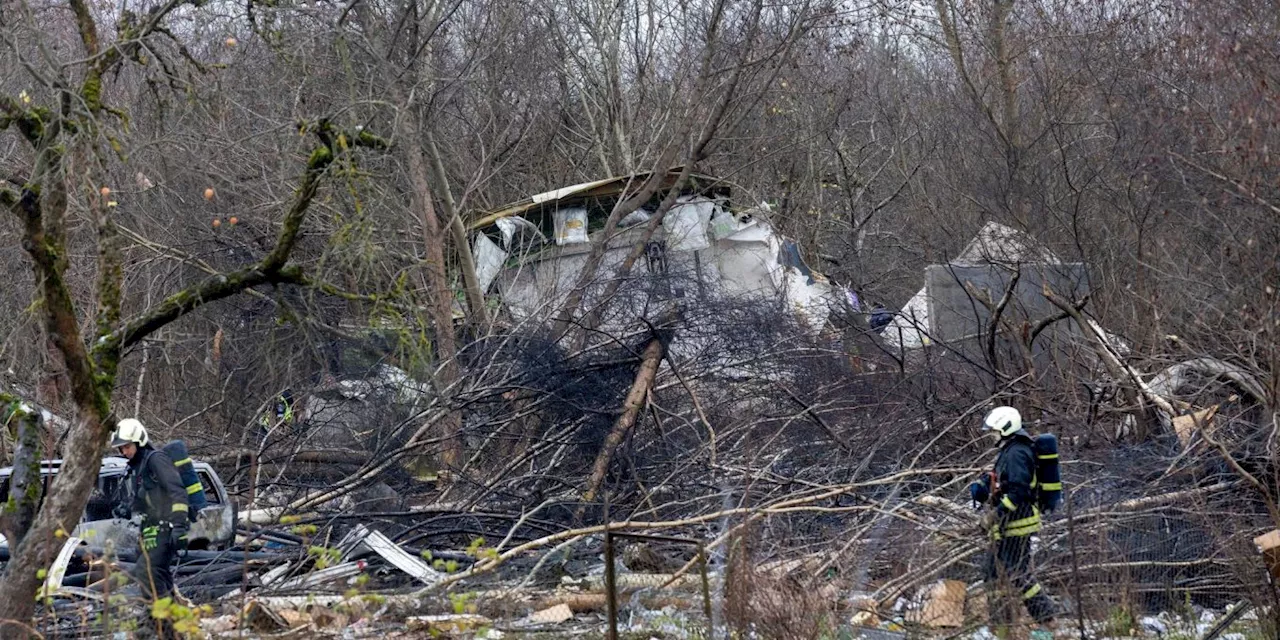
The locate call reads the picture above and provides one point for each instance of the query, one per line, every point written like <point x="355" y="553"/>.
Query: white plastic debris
<point x="639" y="216"/>
<point x="489" y="258"/>
<point x="570" y="225"/>
<point x="1153" y="625"/>
<point x="686" y="224"/>
<point x="723" y="224"/>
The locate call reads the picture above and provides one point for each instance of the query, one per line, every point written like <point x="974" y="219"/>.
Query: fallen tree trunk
<point x="314" y="456"/>
<point x="637" y="397"/>
<point x="1111" y="359"/>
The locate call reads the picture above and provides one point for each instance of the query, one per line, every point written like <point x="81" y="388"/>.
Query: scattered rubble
<point x="368" y="586"/>
<point x="552" y="615"/>
<point x="447" y="624"/>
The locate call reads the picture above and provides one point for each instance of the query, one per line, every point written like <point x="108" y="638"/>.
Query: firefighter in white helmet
<point x="159" y="496"/>
<point x="1009" y="491"/>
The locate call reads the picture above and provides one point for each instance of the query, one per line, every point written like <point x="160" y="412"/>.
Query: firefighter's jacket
<point x="1015" y="501"/>
<point x="158" y="493"/>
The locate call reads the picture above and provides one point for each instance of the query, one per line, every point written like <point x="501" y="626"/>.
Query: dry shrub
<point x="772" y="604"/>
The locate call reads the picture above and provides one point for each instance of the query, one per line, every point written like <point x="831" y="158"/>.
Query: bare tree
<point x="70" y="132"/>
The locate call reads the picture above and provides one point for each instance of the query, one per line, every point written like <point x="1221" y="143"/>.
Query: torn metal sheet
<point x="607" y="187"/>
<point x="265" y="580"/>
<point x="809" y="298"/>
<point x="380" y="544"/>
<point x="703" y="248"/>
<point x="53" y="581"/>
<point x="995" y="243"/>
<point x="323" y="576"/>
<point x="1168" y="381"/>
<point x="916" y="325"/>
<point x="742" y="264"/>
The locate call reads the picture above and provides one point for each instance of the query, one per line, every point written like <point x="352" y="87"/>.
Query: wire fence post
<point x="706" y="590"/>
<point x="1075" y="565"/>
<point x="610" y="587"/>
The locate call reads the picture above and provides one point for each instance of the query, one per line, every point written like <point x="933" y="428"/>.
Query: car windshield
<point x="109" y="490"/>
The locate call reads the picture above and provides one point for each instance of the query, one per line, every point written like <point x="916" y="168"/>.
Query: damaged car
<point x="214" y="527"/>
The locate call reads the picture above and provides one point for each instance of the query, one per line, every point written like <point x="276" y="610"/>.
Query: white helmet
<point x="1005" y="421"/>
<point x="129" y="431"/>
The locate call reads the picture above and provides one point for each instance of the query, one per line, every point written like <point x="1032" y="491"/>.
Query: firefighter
<point x="159" y="496"/>
<point x="281" y="411"/>
<point x="1011" y="519"/>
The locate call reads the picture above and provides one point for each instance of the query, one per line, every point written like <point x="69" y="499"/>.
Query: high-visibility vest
<point x="282" y="411"/>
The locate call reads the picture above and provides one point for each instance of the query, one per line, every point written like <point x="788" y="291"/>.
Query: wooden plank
<point x="943" y="606"/>
<point x="1268" y="545"/>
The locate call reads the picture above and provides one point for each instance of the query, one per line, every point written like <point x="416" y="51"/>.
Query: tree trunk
<point x="52" y="389"/>
<point x="25" y="487"/>
<point x="410" y="134"/>
<point x="458" y="230"/>
<point x="67" y="495"/>
<point x="440" y="303"/>
<point x="636" y="400"/>
<point x="42" y="211"/>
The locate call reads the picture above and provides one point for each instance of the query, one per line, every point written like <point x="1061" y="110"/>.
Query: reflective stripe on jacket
<point x="1015" y="505"/>
<point x="158" y="493"/>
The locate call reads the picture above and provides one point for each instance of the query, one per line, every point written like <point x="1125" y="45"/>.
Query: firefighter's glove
<point x="150" y="538"/>
<point x="979" y="492"/>
<point x="180" y="534"/>
<point x="989" y="520"/>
